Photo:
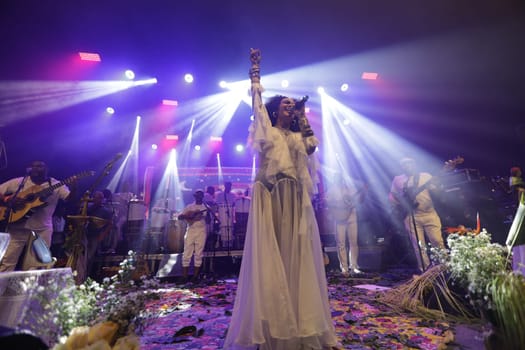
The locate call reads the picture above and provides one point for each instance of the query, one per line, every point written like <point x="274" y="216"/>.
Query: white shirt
<point x="41" y="219"/>
<point x="425" y="204"/>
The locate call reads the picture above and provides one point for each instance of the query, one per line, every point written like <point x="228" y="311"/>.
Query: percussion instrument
<point x="175" y="236"/>
<point x="159" y="217"/>
<point x="136" y="210"/>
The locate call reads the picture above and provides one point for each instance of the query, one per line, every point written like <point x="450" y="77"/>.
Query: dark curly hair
<point x="272" y="106"/>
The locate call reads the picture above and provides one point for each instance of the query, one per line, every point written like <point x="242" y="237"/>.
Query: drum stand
<point x="216" y="233"/>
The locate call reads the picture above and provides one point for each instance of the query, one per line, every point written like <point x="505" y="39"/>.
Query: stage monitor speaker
<point x="371" y="258"/>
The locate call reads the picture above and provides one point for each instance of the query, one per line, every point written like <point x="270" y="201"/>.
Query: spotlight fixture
<point x="223" y="84"/>
<point x="89" y="56"/>
<point x="129" y="74"/>
<point x="170" y="102"/>
<point x="369" y="76"/>
<point x="344" y="87"/>
<point x="320" y="90"/>
<point x="154" y="146"/>
<point x="110" y="110"/>
<point x="197" y="147"/>
<point x="285" y="83"/>
<point x="188" y="78"/>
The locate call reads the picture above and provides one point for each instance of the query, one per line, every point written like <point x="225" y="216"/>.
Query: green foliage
<point x="62" y="305"/>
<point x="473" y="262"/>
<point x="482" y="268"/>
<point x="508" y="297"/>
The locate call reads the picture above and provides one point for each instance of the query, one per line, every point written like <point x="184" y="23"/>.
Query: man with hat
<point x="195" y="237"/>
<point x="411" y="190"/>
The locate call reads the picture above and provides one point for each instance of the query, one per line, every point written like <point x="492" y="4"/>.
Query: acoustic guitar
<point x="193" y="216"/>
<point x="33" y="198"/>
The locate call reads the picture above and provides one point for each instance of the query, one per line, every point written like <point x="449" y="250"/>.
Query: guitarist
<point x="342" y="200"/>
<point x="411" y="192"/>
<point x="41" y="219"/>
<point x="195" y="237"/>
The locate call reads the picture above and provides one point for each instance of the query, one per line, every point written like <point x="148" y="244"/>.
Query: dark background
<point x="454" y="86"/>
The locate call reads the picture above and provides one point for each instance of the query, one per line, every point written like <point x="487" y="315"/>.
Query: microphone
<point x="300" y="103"/>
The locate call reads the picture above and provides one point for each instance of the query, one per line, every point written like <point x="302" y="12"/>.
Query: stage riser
<point x="171" y="265"/>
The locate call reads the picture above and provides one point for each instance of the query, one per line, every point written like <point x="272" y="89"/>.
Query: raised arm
<point x="255" y="73"/>
<point x="255" y="69"/>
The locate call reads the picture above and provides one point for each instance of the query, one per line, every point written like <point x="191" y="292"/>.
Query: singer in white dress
<point x="282" y="298"/>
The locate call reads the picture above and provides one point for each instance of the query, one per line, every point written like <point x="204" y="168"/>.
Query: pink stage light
<point x="215" y="139"/>
<point x="172" y="137"/>
<point x="89" y="56"/>
<point x="369" y="76"/>
<point x="170" y="102"/>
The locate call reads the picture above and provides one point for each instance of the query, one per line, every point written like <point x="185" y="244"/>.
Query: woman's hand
<point x="255" y="56"/>
<point x="255" y="70"/>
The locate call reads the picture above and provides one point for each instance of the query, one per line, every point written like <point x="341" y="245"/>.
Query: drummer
<point x="98" y="227"/>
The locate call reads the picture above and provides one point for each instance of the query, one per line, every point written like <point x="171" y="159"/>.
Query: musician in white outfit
<point x="37" y="218"/>
<point x="342" y="200"/>
<point x="195" y="238"/>
<point x="411" y="190"/>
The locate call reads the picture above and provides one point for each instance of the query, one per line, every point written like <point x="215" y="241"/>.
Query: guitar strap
<point x="415" y="185"/>
<point x="9" y="211"/>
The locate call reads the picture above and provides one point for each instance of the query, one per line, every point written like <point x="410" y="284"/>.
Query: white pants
<point x="194" y="241"/>
<point x="19" y="240"/>
<point x="428" y="225"/>
<point x="347" y="230"/>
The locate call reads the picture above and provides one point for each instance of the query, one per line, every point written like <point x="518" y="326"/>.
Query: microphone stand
<point x="410" y="205"/>
<point x="420" y="253"/>
<point x="229" y="223"/>
<point x="215" y="220"/>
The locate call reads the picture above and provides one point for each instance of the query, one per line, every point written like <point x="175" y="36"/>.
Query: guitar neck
<point x="48" y="190"/>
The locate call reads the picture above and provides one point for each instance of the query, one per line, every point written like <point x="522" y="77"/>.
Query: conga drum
<point x="159" y="218"/>
<point x="175" y="236"/>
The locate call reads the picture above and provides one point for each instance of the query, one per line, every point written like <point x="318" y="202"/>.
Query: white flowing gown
<point x="282" y="299"/>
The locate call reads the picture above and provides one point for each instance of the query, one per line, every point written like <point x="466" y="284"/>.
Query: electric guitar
<point x="29" y="200"/>
<point x="342" y="212"/>
<point x="406" y="200"/>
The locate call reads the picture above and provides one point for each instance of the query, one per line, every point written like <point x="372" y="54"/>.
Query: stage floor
<point x="360" y="321"/>
<point x="227" y="262"/>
